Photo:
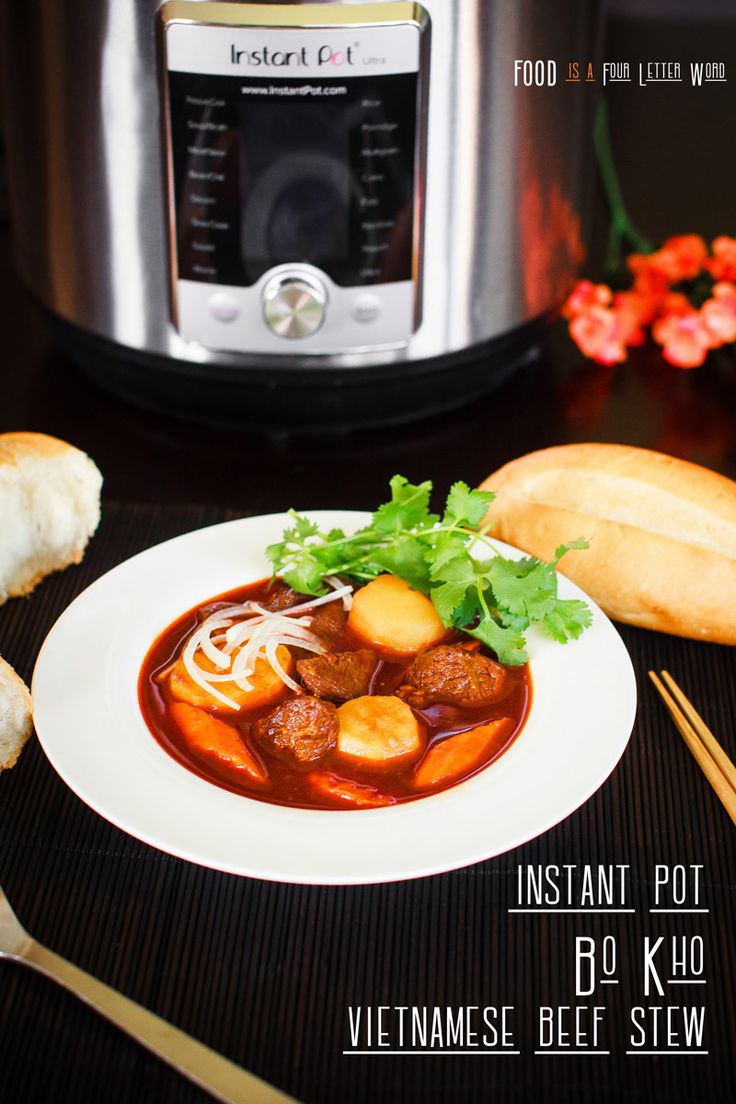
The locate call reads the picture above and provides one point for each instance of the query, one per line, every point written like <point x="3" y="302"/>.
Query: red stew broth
<point x="289" y="784"/>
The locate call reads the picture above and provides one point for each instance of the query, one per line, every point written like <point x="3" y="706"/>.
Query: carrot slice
<point x="345" y="790"/>
<point x="214" y="739"/>
<point x="457" y="755"/>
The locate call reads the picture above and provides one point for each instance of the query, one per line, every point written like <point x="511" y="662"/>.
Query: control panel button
<point x="366" y="307"/>
<point x="223" y="307"/>
<point x="294" y="306"/>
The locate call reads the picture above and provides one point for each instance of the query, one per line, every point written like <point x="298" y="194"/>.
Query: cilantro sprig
<point x="489" y="596"/>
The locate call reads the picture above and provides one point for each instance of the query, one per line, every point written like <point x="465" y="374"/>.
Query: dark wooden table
<point x="264" y="972"/>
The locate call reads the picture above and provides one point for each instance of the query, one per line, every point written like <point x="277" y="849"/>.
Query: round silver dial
<point x="294" y="306"/>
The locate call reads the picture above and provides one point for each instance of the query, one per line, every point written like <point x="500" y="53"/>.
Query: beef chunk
<point x="338" y="676"/>
<point x="451" y="676"/>
<point x="280" y="597"/>
<point x="328" y="621"/>
<point x="301" y="729"/>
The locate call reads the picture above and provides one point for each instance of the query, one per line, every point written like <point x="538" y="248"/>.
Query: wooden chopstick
<point x="705" y="734"/>
<point x="708" y="753"/>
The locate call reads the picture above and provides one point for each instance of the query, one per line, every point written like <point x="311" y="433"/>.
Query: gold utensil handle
<point x="207" y="1069"/>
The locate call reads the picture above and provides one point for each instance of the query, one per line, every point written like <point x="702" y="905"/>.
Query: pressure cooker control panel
<point x="295" y="173"/>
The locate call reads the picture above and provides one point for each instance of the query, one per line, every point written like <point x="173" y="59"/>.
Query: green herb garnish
<point x="492" y="598"/>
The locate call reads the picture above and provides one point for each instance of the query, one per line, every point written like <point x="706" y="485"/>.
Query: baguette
<point x="662" y="532"/>
<point x="49" y="505"/>
<point x="16" y="722"/>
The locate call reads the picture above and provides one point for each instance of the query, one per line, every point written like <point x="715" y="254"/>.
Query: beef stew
<point x="342" y="726"/>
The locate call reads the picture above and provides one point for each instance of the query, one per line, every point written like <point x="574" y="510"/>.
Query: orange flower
<point x="598" y="333"/>
<point x="604" y="324"/>
<point x="722" y="265"/>
<point x="586" y="294"/>
<point x="632" y="310"/>
<point x="719" y="315"/>
<point x="680" y="258"/>
<point x="727" y="291"/>
<point x="684" y="338"/>
<point x="685" y="254"/>
<point x="645" y="266"/>
<point x="676" y="304"/>
<point x="649" y="284"/>
<point x="654" y="269"/>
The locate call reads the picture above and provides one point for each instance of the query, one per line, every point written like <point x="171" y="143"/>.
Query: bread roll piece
<point x="49" y="505"/>
<point x="662" y="532"/>
<point x="16" y="722"/>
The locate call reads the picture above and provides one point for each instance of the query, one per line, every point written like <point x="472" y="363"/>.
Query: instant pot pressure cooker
<point x="297" y="213"/>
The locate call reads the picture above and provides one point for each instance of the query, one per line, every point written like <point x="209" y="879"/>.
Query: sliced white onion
<point x="226" y="677"/>
<point x="314" y="602"/>
<point x="299" y="631"/>
<point x="271" y="646"/>
<point x="202" y="638"/>
<point x="226" y="612"/>
<point x="240" y="632"/>
<point x="243" y="663"/>
<point x="208" y="646"/>
<point x="336" y="584"/>
<point x="237" y="634"/>
<point x="198" y="676"/>
<point x="235" y="637"/>
<point x="307" y="646"/>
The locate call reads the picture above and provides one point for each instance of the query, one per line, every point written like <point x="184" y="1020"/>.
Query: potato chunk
<point x="456" y="756"/>
<point x="268" y="688"/>
<point x="388" y="615"/>
<point x="378" y="730"/>
<point x="214" y="739"/>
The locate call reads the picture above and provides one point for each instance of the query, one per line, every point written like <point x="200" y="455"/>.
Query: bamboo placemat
<point x="266" y="972"/>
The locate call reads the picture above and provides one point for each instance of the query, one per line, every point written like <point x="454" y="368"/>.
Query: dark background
<point x="265" y="972"/>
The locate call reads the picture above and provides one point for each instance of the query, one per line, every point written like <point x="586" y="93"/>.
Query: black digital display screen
<point x="270" y="172"/>
<point x="295" y="183"/>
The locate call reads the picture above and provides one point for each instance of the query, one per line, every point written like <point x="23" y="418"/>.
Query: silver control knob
<point x="294" y="306"/>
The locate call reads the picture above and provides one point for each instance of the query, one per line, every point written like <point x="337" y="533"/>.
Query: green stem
<point x="481" y="596"/>
<point x="381" y="541"/>
<point x="351" y="567"/>
<point x="622" y="228"/>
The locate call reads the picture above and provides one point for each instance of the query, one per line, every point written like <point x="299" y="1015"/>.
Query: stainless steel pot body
<point x="504" y="173"/>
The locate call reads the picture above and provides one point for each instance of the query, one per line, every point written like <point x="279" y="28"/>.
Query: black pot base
<point x="299" y="400"/>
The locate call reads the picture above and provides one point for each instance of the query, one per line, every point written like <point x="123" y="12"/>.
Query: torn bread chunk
<point x="49" y="505"/>
<point x="16" y="715"/>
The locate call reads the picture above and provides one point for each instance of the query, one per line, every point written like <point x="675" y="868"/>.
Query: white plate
<point x="90" y="726"/>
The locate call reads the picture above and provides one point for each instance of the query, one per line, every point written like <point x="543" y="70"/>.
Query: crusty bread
<point x="49" y="508"/>
<point x="662" y="532"/>
<point x="16" y="722"/>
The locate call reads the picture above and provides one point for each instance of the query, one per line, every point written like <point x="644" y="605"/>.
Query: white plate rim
<point x="416" y="839"/>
